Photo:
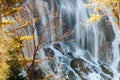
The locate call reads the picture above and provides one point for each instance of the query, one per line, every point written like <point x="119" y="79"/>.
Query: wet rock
<point x="105" y="77"/>
<point x="71" y="75"/>
<point x="107" y="29"/>
<point x="79" y="65"/>
<point x="119" y="67"/>
<point x="106" y="36"/>
<point x="53" y="67"/>
<point x="95" y="69"/>
<point x="58" y="47"/>
<point x="106" y="53"/>
<point x="49" y="52"/>
<point x="38" y="74"/>
<point x="70" y="54"/>
<point x="106" y="70"/>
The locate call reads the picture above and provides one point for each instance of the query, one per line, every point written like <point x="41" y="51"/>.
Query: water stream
<point x="94" y="52"/>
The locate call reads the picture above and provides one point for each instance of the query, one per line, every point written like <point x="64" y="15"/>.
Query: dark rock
<point x="38" y="74"/>
<point x="119" y="67"/>
<point x="58" y="47"/>
<point x="79" y="65"/>
<point x="49" y="52"/>
<point x="105" y="77"/>
<point x="71" y="75"/>
<point x="107" y="29"/>
<point x="106" y="53"/>
<point x="52" y="66"/>
<point x="106" y="70"/>
<point x="106" y="36"/>
<point x="95" y="69"/>
<point x="70" y="55"/>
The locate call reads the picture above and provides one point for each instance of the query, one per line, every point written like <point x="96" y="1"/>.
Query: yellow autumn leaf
<point x="87" y="5"/>
<point x="16" y="9"/>
<point x="115" y="1"/>
<point x="95" y="17"/>
<point x="25" y="24"/>
<point x="48" y="76"/>
<point x="8" y="22"/>
<point x="28" y="60"/>
<point x="98" y="9"/>
<point x="36" y="19"/>
<point x="26" y="38"/>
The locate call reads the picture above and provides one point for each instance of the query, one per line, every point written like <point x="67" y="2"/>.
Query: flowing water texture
<point x="93" y="53"/>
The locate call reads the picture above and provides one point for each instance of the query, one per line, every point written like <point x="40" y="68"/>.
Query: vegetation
<point x="18" y="45"/>
<point x="13" y="61"/>
<point x="105" y="8"/>
<point x="9" y="46"/>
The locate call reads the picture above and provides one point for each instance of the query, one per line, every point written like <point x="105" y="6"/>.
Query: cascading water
<point x="92" y="55"/>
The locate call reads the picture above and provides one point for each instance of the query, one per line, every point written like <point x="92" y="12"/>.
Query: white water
<point x="86" y="45"/>
<point x="116" y="51"/>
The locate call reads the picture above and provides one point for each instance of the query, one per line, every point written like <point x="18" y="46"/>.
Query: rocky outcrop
<point x="79" y="65"/>
<point x="105" y="52"/>
<point x="82" y="68"/>
<point x="58" y="47"/>
<point x="49" y="52"/>
<point x="71" y="75"/>
<point x="119" y="67"/>
<point x="107" y="29"/>
<point x="106" y="70"/>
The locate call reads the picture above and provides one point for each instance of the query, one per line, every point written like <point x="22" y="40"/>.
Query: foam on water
<point x="87" y="41"/>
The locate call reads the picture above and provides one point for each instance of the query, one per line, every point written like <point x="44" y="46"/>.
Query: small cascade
<point x="88" y="53"/>
<point x="116" y="59"/>
<point x="116" y="52"/>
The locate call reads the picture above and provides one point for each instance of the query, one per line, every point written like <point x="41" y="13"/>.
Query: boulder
<point x="79" y="65"/>
<point x="49" y="52"/>
<point x="58" y="47"/>
<point x="107" y="29"/>
<point x="106" y="53"/>
<point x="106" y="70"/>
<point x="71" y="75"/>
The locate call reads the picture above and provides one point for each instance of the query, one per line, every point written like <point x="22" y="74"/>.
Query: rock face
<point x="83" y="68"/>
<point x="94" y="41"/>
<point x="106" y="70"/>
<point x="38" y="74"/>
<point x="58" y="47"/>
<point x="79" y="66"/>
<point x="68" y="64"/>
<point x="119" y="67"/>
<point x="49" y="52"/>
<point x="71" y="76"/>
<point x="107" y="35"/>
<point x="107" y="29"/>
<point x="105" y="52"/>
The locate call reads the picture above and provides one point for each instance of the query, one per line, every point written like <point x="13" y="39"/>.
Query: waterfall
<point x="93" y="53"/>
<point x="116" y="51"/>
